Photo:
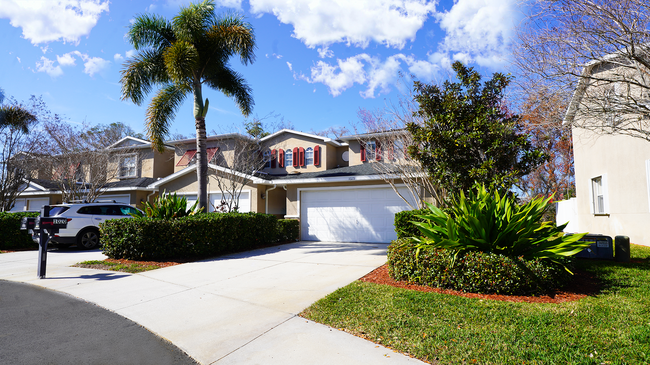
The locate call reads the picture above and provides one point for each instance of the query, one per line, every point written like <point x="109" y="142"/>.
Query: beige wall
<point x="224" y="156"/>
<point x="287" y="141"/>
<point x="355" y="153"/>
<point x="163" y="164"/>
<point x="623" y="160"/>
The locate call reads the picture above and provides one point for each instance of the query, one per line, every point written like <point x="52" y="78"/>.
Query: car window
<point x="127" y="210"/>
<point x="57" y="210"/>
<point x="111" y="210"/>
<point x="93" y="209"/>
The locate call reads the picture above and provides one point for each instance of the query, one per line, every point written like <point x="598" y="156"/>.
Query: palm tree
<point x="180" y="56"/>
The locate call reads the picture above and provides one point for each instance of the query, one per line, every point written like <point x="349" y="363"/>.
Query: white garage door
<point x="244" y="201"/>
<point x="350" y="215"/>
<point x="124" y="199"/>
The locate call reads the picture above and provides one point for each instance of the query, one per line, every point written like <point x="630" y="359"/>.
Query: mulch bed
<point x="582" y="285"/>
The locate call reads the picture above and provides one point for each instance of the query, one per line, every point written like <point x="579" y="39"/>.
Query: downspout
<point x="266" y="200"/>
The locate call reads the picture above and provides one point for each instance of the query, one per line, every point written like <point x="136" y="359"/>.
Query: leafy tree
<point x="255" y="129"/>
<point x="110" y="133"/>
<point x="179" y="56"/>
<point x="468" y="135"/>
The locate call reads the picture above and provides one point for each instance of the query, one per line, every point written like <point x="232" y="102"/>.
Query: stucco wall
<point x="622" y="159"/>
<point x="288" y="141"/>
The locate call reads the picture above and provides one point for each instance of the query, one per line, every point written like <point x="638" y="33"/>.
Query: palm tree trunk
<point x="202" y="166"/>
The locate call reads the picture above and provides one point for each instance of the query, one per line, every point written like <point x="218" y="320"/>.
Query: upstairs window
<point x="267" y="159"/>
<point x="309" y="156"/>
<point x="371" y="149"/>
<point x="288" y="157"/>
<point x="128" y="165"/>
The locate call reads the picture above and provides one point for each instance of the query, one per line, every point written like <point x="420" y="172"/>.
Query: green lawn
<point x="610" y="328"/>
<point x="115" y="266"/>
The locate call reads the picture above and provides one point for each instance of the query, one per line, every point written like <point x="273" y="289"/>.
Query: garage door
<point x="350" y="215"/>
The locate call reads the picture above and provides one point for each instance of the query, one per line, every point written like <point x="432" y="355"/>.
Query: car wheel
<point x="88" y="239"/>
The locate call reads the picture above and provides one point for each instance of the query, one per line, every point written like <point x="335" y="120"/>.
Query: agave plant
<point x="497" y="224"/>
<point x="168" y="206"/>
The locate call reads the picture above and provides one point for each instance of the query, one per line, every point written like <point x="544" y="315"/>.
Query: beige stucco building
<point x="329" y="185"/>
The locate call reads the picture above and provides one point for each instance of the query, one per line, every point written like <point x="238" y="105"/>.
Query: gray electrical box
<point x="602" y="247"/>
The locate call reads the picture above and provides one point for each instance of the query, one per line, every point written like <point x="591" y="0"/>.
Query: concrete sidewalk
<point x="240" y="308"/>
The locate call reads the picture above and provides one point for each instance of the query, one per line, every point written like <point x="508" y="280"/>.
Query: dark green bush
<point x="288" y="230"/>
<point x="11" y="237"/>
<point x="473" y="271"/>
<point x="403" y="226"/>
<point x="200" y="235"/>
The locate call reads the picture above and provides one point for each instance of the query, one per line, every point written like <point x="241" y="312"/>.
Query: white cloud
<point x="325" y="22"/>
<point x="118" y="58"/>
<point x="130" y="53"/>
<point x="46" y="65"/>
<point x="45" y="21"/>
<point x="92" y="65"/>
<point x="479" y="30"/>
<point x="325" y="52"/>
<point x="376" y="75"/>
<point x="273" y="55"/>
<point x="290" y="66"/>
<point x="66" y="60"/>
<point x="18" y="58"/>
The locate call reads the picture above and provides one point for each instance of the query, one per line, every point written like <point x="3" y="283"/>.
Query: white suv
<point x="83" y="221"/>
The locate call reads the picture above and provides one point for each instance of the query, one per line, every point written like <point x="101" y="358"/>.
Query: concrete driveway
<point x="237" y="309"/>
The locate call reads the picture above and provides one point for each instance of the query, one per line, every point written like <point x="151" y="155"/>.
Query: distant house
<point x="329" y="185"/>
<point x="612" y="170"/>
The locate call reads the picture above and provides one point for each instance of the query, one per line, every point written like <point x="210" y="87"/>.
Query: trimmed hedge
<point x="200" y="235"/>
<point x="288" y="230"/>
<point x="11" y="235"/>
<point x="474" y="272"/>
<point x="403" y="226"/>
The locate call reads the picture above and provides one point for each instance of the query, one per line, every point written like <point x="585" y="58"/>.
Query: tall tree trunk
<point x="202" y="166"/>
<point x="201" y="146"/>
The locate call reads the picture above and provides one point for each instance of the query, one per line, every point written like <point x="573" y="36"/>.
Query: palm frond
<point x="150" y="30"/>
<point x="233" y="36"/>
<point x="162" y="110"/>
<point x="192" y="22"/>
<point x="16" y="117"/>
<point x="233" y="85"/>
<point x="140" y="73"/>
<point x="181" y="59"/>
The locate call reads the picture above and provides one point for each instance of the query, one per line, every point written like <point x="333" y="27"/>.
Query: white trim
<point x="303" y="134"/>
<point x="143" y="142"/>
<point x="121" y="158"/>
<point x="604" y="192"/>
<point x="185" y="171"/>
<point x="36" y="185"/>
<point x="328" y="179"/>
<point x="209" y="138"/>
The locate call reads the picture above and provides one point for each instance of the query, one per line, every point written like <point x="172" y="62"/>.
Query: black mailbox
<point x="27" y="223"/>
<point x="51" y="223"/>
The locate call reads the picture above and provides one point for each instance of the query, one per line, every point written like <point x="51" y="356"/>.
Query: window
<point x="599" y="201"/>
<point x="288" y="157"/>
<point x="309" y="156"/>
<point x="267" y="159"/>
<point x="128" y="166"/>
<point x="128" y="210"/>
<point x="368" y="150"/>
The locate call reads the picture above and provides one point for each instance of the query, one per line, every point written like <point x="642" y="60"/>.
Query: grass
<point x="610" y="328"/>
<point x="133" y="268"/>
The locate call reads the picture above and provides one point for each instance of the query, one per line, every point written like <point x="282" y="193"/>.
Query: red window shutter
<point x="273" y="152"/>
<point x="302" y="156"/>
<point x="281" y="158"/>
<point x="317" y="156"/>
<point x="295" y="157"/>
<point x="363" y="152"/>
<point x="211" y="152"/>
<point x="377" y="151"/>
<point x="187" y="157"/>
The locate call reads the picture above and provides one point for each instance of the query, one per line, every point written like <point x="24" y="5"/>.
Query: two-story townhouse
<point x="136" y="164"/>
<point x="612" y="166"/>
<point x="329" y="185"/>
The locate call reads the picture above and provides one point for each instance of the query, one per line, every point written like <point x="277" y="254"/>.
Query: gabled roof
<point x="133" y="142"/>
<point x="302" y="134"/>
<point x="192" y="168"/>
<point x="393" y="132"/>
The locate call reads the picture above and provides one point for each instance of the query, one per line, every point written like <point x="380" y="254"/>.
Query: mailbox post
<point x="45" y="226"/>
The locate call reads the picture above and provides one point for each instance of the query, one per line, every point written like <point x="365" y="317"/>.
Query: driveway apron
<point x="236" y="309"/>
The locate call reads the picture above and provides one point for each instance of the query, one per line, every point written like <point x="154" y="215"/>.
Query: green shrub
<point x="489" y="222"/>
<point x="167" y="206"/>
<point x="199" y="235"/>
<point x="475" y="271"/>
<point x="404" y="226"/>
<point x="12" y="236"/>
<point x="288" y="230"/>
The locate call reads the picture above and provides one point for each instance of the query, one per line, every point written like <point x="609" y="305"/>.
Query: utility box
<point x="602" y="247"/>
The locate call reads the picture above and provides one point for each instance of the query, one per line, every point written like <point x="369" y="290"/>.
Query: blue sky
<point x="317" y="61"/>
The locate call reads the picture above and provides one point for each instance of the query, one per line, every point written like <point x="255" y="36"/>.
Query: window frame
<point x="121" y="159"/>
<point x="598" y="195"/>
<point x="309" y="160"/>
<point x="288" y="157"/>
